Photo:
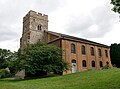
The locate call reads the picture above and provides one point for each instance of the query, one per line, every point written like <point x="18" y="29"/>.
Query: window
<point x="84" y="63"/>
<point x="93" y="63"/>
<point x="107" y="62"/>
<point x="99" y="52"/>
<point x="106" y="53"/>
<point x="101" y="65"/>
<point x="83" y="49"/>
<point x="73" y="61"/>
<point x="39" y="27"/>
<point x="92" y="51"/>
<point x="73" y="50"/>
<point x="28" y="35"/>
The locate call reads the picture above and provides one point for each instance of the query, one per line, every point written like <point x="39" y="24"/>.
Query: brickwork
<point x="79" y="57"/>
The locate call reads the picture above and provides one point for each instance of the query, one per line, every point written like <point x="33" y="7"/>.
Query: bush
<point x="4" y="73"/>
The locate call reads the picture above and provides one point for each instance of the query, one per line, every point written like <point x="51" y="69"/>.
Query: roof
<point x="73" y="38"/>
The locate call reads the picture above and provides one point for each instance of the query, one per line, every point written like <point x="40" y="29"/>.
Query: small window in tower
<point x="28" y="36"/>
<point x="39" y="27"/>
<point x="34" y="20"/>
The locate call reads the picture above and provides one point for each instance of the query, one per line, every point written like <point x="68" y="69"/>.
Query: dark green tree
<point x="115" y="54"/>
<point x="116" y="4"/>
<point x="13" y="62"/>
<point x="40" y="58"/>
<point x="5" y="55"/>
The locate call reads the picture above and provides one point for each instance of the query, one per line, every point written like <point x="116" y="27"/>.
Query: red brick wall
<point x="68" y="56"/>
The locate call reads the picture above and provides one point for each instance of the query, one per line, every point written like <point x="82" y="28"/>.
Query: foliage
<point x="5" y="55"/>
<point x="116" y="4"/>
<point x="92" y="79"/>
<point x="13" y="63"/>
<point x="40" y="58"/>
<point x="115" y="54"/>
<point x="4" y="73"/>
<point x="9" y="59"/>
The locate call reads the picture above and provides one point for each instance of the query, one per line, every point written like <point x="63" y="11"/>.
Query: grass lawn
<point x="92" y="79"/>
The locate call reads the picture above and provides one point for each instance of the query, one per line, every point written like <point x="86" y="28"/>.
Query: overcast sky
<point x="88" y="19"/>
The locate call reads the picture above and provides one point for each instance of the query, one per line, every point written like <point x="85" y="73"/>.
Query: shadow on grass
<point x="27" y="78"/>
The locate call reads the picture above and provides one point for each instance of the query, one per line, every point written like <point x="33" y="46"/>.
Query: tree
<point x="115" y="54"/>
<point x="41" y="58"/>
<point x="116" y="4"/>
<point x="13" y="63"/>
<point x="5" y="55"/>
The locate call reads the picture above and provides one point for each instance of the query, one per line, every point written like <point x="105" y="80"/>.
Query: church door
<point x="73" y="66"/>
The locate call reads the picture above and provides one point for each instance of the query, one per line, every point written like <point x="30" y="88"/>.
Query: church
<point x="80" y="53"/>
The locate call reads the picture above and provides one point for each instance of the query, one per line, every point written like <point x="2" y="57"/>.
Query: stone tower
<point x="35" y="26"/>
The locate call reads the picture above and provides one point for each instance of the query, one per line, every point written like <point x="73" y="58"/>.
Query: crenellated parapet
<point x="35" y="14"/>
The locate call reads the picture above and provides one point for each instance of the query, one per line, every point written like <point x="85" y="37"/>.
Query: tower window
<point x="73" y="50"/>
<point x="28" y="35"/>
<point x="83" y="49"/>
<point x="39" y="27"/>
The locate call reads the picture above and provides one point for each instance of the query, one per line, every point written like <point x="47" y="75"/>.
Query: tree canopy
<point x="115" y="54"/>
<point x="42" y="58"/>
<point x="116" y="4"/>
<point x="5" y="56"/>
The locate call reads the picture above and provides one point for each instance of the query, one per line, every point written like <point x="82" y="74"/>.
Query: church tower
<point x="35" y="27"/>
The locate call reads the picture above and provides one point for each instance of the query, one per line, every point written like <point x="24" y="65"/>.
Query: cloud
<point x="11" y="14"/>
<point x="81" y="18"/>
<point x="94" y="24"/>
<point x="7" y="33"/>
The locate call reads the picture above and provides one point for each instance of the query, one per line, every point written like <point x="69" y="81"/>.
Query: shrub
<point x="4" y="73"/>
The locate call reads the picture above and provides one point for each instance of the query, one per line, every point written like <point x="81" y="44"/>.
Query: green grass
<point x="92" y="79"/>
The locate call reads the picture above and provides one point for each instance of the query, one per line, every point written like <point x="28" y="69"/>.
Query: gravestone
<point x="20" y="74"/>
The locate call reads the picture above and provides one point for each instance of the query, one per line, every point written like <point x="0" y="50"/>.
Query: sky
<point x="87" y="19"/>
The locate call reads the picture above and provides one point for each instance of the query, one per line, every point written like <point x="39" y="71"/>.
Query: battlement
<point x="35" y="14"/>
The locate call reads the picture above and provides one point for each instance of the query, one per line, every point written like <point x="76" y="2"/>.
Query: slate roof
<point x="76" y="39"/>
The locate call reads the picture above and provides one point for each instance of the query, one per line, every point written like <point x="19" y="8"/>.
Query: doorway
<point x="73" y="66"/>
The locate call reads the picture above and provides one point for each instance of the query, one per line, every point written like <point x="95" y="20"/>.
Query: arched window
<point x="73" y="61"/>
<point x="107" y="62"/>
<point x="101" y="64"/>
<point x="73" y="50"/>
<point x="83" y="49"/>
<point x="99" y="52"/>
<point x="83" y="63"/>
<point x="39" y="27"/>
<point x="92" y="51"/>
<point x="106" y="53"/>
<point x="93" y="63"/>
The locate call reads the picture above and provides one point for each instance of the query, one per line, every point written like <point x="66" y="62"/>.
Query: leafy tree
<point x="5" y="55"/>
<point x="41" y="58"/>
<point x="13" y="62"/>
<point x="116" y="4"/>
<point x="115" y="54"/>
